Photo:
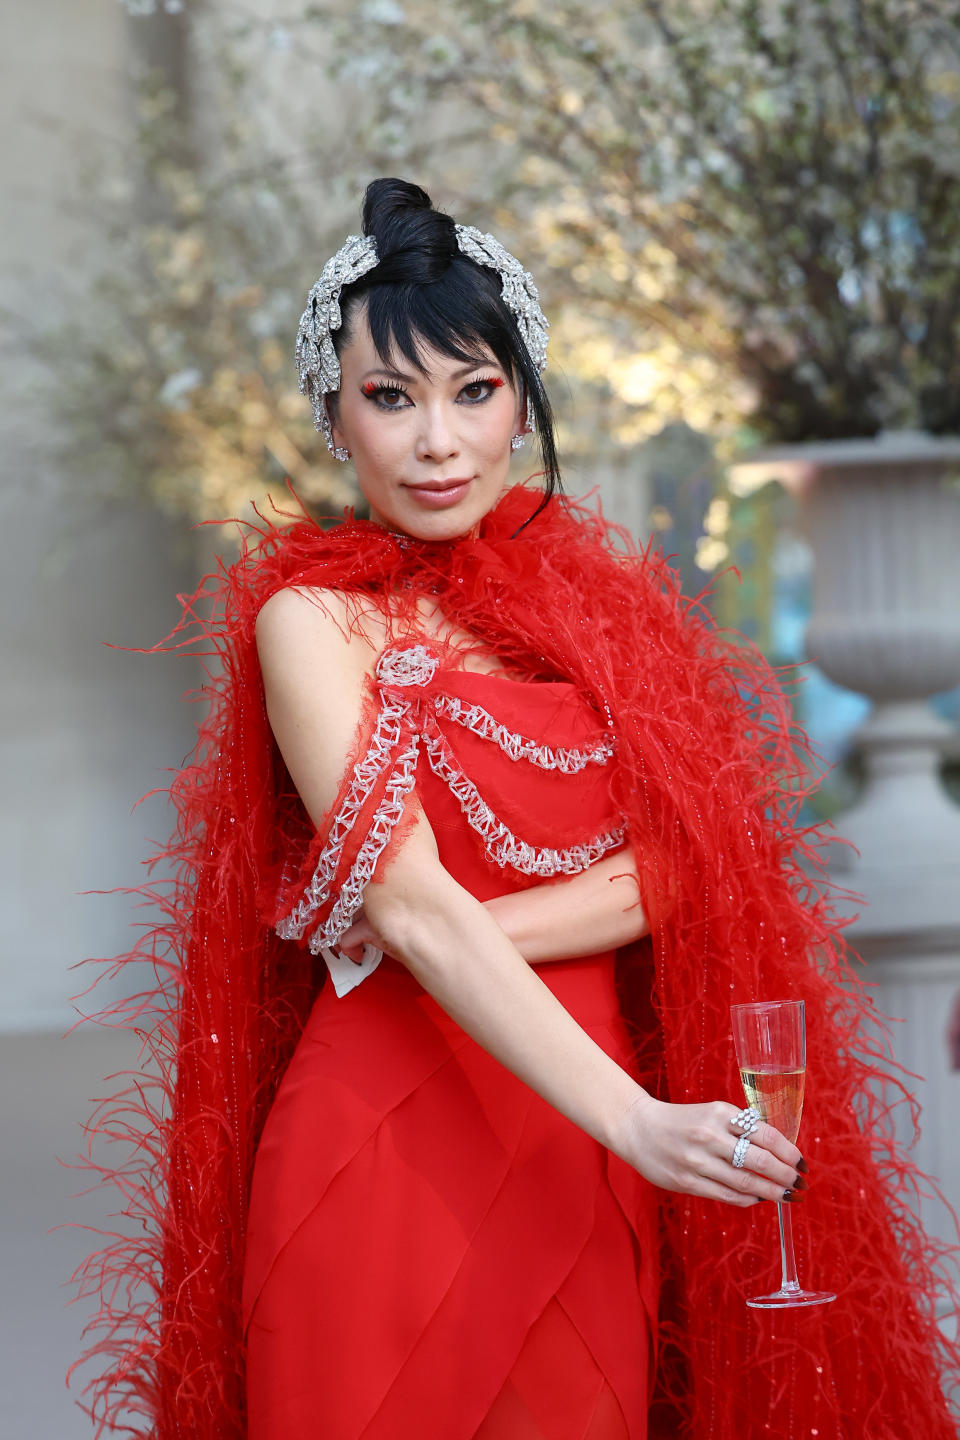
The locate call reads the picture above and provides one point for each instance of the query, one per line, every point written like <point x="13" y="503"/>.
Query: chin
<point x="445" y="524"/>
<point x="443" y="527"/>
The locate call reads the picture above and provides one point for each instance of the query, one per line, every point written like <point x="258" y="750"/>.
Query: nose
<point x="437" y="439"/>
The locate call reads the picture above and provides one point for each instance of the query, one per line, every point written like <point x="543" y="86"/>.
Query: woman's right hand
<point x="689" y="1148"/>
<point x="360" y="934"/>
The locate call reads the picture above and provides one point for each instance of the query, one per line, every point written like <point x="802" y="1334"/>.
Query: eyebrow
<point x="412" y="379"/>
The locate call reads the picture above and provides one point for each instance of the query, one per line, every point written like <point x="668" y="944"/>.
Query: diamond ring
<point x="740" y="1151"/>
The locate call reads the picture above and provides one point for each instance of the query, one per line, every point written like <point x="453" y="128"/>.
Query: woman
<point x="485" y="1182"/>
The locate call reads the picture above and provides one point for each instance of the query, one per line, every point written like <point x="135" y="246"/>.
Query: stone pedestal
<point x="883" y="518"/>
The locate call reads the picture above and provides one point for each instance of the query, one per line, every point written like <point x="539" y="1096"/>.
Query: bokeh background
<point x="743" y="217"/>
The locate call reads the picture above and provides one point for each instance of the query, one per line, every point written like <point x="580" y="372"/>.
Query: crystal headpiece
<point x="318" y="368"/>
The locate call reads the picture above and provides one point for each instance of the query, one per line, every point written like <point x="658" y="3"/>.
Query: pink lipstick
<point x="441" y="494"/>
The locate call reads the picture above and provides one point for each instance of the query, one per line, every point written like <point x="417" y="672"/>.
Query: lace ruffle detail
<point x="502" y="846"/>
<point x="413" y="665"/>
<point x="518" y="747"/>
<point x="387" y="815"/>
<point x="380" y="754"/>
<point x="404" y="724"/>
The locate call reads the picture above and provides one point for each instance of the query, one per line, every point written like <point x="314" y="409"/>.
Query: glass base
<point x="786" y="1299"/>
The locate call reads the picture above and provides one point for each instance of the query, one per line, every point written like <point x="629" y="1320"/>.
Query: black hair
<point x="425" y="290"/>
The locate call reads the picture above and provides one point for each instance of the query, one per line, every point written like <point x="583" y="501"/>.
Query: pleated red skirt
<point x="434" y="1252"/>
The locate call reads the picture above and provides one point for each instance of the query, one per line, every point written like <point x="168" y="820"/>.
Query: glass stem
<point x="788" y="1264"/>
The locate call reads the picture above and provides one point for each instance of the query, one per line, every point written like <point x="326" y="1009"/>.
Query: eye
<point x="385" y="396"/>
<point x="479" y="390"/>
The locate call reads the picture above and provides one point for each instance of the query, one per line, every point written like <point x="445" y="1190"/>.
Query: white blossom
<point x="177" y="386"/>
<point x="150" y="7"/>
<point x="360" y="68"/>
<point x="383" y="12"/>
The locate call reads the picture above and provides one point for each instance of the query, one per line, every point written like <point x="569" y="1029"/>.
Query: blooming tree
<point x="740" y="213"/>
<point x="759" y="196"/>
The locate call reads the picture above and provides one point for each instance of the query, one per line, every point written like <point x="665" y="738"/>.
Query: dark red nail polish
<point x="791" y="1197"/>
<point x="802" y="1166"/>
<point x="801" y="1184"/>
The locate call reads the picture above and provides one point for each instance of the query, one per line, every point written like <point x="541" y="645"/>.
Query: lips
<point x="439" y="494"/>
<point x="454" y="482"/>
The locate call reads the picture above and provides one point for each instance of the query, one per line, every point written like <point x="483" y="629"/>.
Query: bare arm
<point x="596" y="910"/>
<point x="314" y="679"/>
<point x="583" y="914"/>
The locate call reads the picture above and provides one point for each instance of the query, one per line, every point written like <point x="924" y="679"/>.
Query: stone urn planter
<point x="883" y="519"/>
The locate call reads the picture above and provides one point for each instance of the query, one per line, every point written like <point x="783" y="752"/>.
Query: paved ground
<point x="47" y="1084"/>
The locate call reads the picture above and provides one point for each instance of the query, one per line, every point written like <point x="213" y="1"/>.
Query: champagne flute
<point x="770" y="1040"/>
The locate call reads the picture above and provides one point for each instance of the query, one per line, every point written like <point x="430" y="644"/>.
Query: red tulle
<point x="709" y="775"/>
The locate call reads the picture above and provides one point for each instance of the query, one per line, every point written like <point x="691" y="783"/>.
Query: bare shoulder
<point x="333" y="629"/>
<point x="316" y="651"/>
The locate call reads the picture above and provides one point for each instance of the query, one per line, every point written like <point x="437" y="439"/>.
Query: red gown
<point x="444" y="1285"/>
<point x="448" y="1256"/>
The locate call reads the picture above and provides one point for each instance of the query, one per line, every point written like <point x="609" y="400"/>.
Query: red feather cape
<point x="709" y="775"/>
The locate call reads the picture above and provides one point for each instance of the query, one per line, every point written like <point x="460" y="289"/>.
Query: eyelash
<point x="372" y="390"/>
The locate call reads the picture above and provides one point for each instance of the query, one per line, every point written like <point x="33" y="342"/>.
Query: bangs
<point x="458" y="315"/>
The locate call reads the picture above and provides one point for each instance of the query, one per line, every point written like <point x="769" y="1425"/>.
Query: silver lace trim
<point x="416" y="665"/>
<point x="518" y="747"/>
<point x="382" y="826"/>
<point x="500" y="843"/>
<point x="386" y="738"/>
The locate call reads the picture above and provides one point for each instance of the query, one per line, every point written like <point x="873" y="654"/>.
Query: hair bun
<point x="387" y="200"/>
<point x="415" y="242"/>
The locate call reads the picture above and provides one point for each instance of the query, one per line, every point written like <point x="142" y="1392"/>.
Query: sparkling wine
<point x="778" y="1095"/>
<point x="770" y="1038"/>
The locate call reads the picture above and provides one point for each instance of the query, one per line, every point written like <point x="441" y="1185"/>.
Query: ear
<point x="331" y="403"/>
<point x="521" y="415"/>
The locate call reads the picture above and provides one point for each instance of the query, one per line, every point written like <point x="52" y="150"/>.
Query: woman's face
<point x="432" y="452"/>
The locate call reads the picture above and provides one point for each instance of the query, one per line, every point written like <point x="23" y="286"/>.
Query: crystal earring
<point x="339" y="452"/>
<point x="528" y="428"/>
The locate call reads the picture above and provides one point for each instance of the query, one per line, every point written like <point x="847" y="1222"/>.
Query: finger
<point x="710" y="1152"/>
<point x="712" y="1189"/>
<point x="771" y="1139"/>
<point x="767" y="1137"/>
<point x="767" y="1164"/>
<point x="761" y="1175"/>
<point x="357" y="937"/>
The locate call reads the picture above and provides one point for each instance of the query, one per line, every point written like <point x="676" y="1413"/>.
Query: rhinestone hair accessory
<point x="318" y="368"/>
<point x="519" y="293"/>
